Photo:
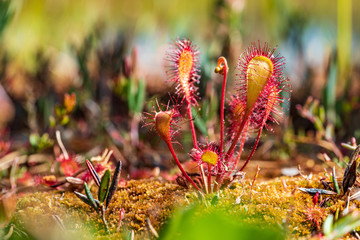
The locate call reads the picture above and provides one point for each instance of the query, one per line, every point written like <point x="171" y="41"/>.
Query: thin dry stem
<point x="61" y="145"/>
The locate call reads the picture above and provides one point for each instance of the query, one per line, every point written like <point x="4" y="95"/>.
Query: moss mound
<point x="274" y="202"/>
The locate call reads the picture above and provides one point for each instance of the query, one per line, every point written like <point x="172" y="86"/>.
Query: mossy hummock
<point x="274" y="202"/>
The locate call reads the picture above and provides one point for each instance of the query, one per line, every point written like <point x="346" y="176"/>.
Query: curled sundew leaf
<point x="104" y="186"/>
<point x="114" y="183"/>
<point x="314" y="190"/>
<point x="350" y="172"/>
<point x="90" y="197"/>
<point x="93" y="172"/>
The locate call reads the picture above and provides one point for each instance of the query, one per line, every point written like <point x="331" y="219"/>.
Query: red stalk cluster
<point x="258" y="99"/>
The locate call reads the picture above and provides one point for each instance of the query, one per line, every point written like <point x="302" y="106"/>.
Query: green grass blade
<point x="90" y="197"/>
<point x="114" y="183"/>
<point x="140" y="97"/>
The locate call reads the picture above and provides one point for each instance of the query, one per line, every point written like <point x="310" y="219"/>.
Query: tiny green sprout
<point x="40" y="143"/>
<point x="107" y="187"/>
<point x="63" y="111"/>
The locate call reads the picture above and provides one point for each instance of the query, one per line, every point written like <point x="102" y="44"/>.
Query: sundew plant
<point x="258" y="100"/>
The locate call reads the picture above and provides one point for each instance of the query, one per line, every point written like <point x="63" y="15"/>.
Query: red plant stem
<point x="230" y="152"/>
<point x="193" y="132"/>
<point x="253" y="150"/>
<point x="179" y="165"/>
<point x="220" y="178"/>
<point x="209" y="178"/>
<point x="222" y="60"/>
<point x="243" y="138"/>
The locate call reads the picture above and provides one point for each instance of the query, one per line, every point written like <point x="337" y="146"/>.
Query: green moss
<point x="268" y="201"/>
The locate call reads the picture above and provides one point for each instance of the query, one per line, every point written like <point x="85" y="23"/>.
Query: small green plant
<point x="207" y="225"/>
<point x="63" y="111"/>
<point x="315" y="112"/>
<point x="39" y="143"/>
<point x="107" y="187"/>
<point x="337" y="228"/>
<point x="132" y="89"/>
<point x="259" y="99"/>
<point x="316" y="213"/>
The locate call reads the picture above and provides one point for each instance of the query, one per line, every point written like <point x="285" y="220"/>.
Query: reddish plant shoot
<point x="259" y="99"/>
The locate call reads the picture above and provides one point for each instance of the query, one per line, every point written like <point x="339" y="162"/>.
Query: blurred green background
<point x="50" y="47"/>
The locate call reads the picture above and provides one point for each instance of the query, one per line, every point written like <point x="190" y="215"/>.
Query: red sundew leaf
<point x="183" y="60"/>
<point x="69" y="167"/>
<point x="93" y="172"/>
<point x="316" y="198"/>
<point x="49" y="180"/>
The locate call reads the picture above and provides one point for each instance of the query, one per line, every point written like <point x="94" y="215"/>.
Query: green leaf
<point x="83" y="198"/>
<point x="344" y="226"/>
<point x="114" y="183"/>
<point x="328" y="225"/>
<point x="34" y="139"/>
<point x="131" y="91"/>
<point x="104" y="186"/>
<point x="90" y="197"/>
<point x="350" y="171"/>
<point x="58" y="111"/>
<point x="65" y="120"/>
<point x="322" y="114"/>
<point x="214" y="106"/>
<point x="5" y="15"/>
<point x="215" y="200"/>
<point x="335" y="182"/>
<point x="140" y="97"/>
<point x="193" y="223"/>
<point x="199" y="122"/>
